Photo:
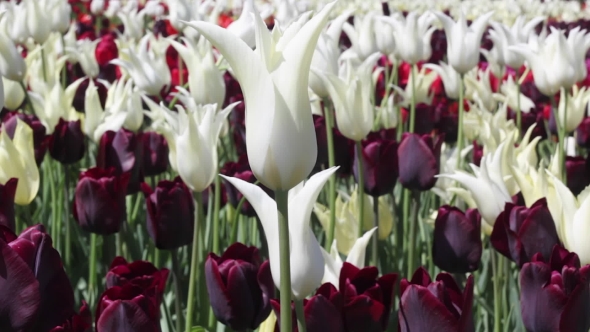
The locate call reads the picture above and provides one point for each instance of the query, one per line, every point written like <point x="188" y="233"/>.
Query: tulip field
<point x="294" y="165"/>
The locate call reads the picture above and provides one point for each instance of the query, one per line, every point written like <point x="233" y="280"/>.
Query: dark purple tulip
<point x="66" y="144"/>
<point x="477" y="153"/>
<point x="170" y="213"/>
<point x="425" y="119"/>
<point x="555" y="296"/>
<point x="419" y="161"/>
<point x="142" y="274"/>
<point x="578" y="174"/>
<point x="367" y="298"/>
<point x="7" y="192"/>
<point x="583" y="133"/>
<point x="438" y="306"/>
<point x="447" y="119"/>
<point x="239" y="287"/>
<point x="155" y="154"/>
<point x="322" y="311"/>
<point x="520" y="232"/>
<point x="122" y="150"/>
<point x="35" y="292"/>
<point x="127" y="309"/>
<point x="79" y="322"/>
<point x="40" y="138"/>
<point x="99" y="200"/>
<point x="457" y="246"/>
<point x="343" y="148"/>
<point x="379" y="165"/>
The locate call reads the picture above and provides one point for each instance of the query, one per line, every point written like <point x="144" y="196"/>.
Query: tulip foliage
<point x="283" y="165"/>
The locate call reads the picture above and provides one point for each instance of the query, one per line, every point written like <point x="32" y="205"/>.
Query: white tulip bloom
<point x="307" y="261"/>
<point x="450" y="78"/>
<point x="361" y="36"/>
<point x="15" y="22"/>
<point x="577" y="104"/>
<point x="503" y="38"/>
<point x="480" y="88"/>
<point x="84" y="54"/>
<point x="463" y="41"/>
<point x="13" y="94"/>
<point x="412" y="35"/>
<point x="55" y="102"/>
<point x="280" y="138"/>
<point x="510" y="96"/>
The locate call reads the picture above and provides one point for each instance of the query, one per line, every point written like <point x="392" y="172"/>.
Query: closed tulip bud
<point x="17" y="158"/>
<point x="555" y="296"/>
<point x="419" y="161"/>
<point x="122" y="150"/>
<point x="170" y="213"/>
<point x="367" y="298"/>
<point x="520" y="232"/>
<point x="40" y="139"/>
<point x="457" y="246"/>
<point x="435" y="306"/>
<point x="99" y="200"/>
<point x="35" y="292"/>
<point x="7" y="192"/>
<point x="106" y="50"/>
<point x="322" y="311"/>
<point x="279" y="114"/>
<point x="155" y="154"/>
<point x="380" y="165"/>
<point x="142" y="274"/>
<point x="66" y="144"/>
<point x="583" y="133"/>
<point x="239" y="286"/>
<point x="127" y="308"/>
<point x="578" y="174"/>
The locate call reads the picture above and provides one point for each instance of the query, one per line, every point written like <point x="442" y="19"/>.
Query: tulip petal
<point x="420" y="310"/>
<point x="356" y="256"/>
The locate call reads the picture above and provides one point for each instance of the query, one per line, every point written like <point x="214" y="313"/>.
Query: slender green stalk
<point x="177" y="289"/>
<point x="300" y="316"/>
<point x="497" y="291"/>
<point x="215" y="245"/>
<point x="68" y="244"/>
<point x="192" y="283"/>
<point x="118" y="244"/>
<point x="92" y="270"/>
<point x="562" y="135"/>
<point x="407" y="200"/>
<point x="281" y="197"/>
<point x="332" y="181"/>
<point x="374" y="246"/>
<point x="413" y="101"/>
<point x="157" y="257"/>
<point x="234" y="226"/>
<point x="361" y="186"/>
<point x="460" y="138"/>
<point x="518" y="111"/>
<point x="413" y="233"/>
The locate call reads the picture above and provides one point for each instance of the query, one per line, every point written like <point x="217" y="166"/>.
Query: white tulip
<point x="450" y="78"/>
<point x="412" y="35"/>
<point x="307" y="262"/>
<point x="84" y="54"/>
<point x="13" y="94"/>
<point x="12" y="64"/>
<point x="577" y="103"/>
<point x="362" y="36"/>
<point x="280" y="136"/>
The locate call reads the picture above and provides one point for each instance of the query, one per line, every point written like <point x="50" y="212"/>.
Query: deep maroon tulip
<point x="35" y="292"/>
<point x="419" y="161"/>
<point x="80" y="322"/>
<point x="343" y="148"/>
<point x="578" y="174"/>
<point x="80" y="96"/>
<point x="447" y="120"/>
<point x="122" y="150"/>
<point x="457" y="246"/>
<point x="438" y="306"/>
<point x="477" y="153"/>
<point x="520" y="232"/>
<point x="155" y="154"/>
<point x="322" y="311"/>
<point x="99" y="200"/>
<point x="127" y="309"/>
<point x="425" y="119"/>
<point x="66" y="144"/>
<point x="367" y="299"/>
<point x="142" y="274"/>
<point x="239" y="287"/>
<point x="555" y="296"/>
<point x="170" y="213"/>
<point x="7" y="192"/>
<point x="583" y="133"/>
<point x="379" y="165"/>
<point x="40" y="138"/>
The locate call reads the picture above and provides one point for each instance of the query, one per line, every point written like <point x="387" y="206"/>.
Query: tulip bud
<point x="425" y="304"/>
<point x="457" y="246"/>
<point x="380" y="165"/>
<point x="66" y="144"/>
<point x="99" y="200"/>
<point x="367" y="298"/>
<point x="7" y="192"/>
<point x="155" y="154"/>
<point x="40" y="139"/>
<point x="106" y="50"/>
<point x="122" y="150"/>
<point x="555" y="296"/>
<point x="141" y="311"/>
<point x="170" y="213"/>
<point x="142" y="274"/>
<point x="419" y="161"/>
<point x="520" y="232"/>
<point x="578" y="174"/>
<point x="239" y="287"/>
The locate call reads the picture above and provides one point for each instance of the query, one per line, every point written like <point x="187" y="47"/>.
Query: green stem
<point x="234" y="226"/>
<point x="497" y="291"/>
<point x="194" y="259"/>
<point x="413" y="233"/>
<point x="215" y="245"/>
<point x="43" y="64"/>
<point x="332" y="181"/>
<point x="460" y="138"/>
<point x="92" y="270"/>
<point x="518" y="111"/>
<point x="406" y="220"/>
<point x="300" y="316"/>
<point x="374" y="246"/>
<point x="282" y="199"/>
<point x="562" y="135"/>
<point x="361" y="186"/>
<point x="177" y="289"/>
<point x="413" y="101"/>
<point x="157" y="257"/>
